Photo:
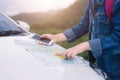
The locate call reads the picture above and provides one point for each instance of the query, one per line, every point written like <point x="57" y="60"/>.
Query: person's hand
<point x="55" y="38"/>
<point x="50" y="37"/>
<point x="72" y="52"/>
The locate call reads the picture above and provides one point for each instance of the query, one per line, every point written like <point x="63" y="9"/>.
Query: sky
<point x="13" y="7"/>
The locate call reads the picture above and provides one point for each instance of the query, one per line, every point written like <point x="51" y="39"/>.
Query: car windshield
<point x="7" y="25"/>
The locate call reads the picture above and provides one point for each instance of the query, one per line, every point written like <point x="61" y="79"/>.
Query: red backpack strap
<point x="109" y="8"/>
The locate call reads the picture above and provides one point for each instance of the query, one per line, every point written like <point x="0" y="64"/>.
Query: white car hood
<point x="16" y="63"/>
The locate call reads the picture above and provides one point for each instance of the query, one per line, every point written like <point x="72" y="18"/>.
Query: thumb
<point x="44" y="36"/>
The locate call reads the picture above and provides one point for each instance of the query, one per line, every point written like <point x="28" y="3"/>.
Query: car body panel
<point x="16" y="63"/>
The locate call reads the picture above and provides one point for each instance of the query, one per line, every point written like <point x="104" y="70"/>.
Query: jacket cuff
<point x="69" y="34"/>
<point x="96" y="47"/>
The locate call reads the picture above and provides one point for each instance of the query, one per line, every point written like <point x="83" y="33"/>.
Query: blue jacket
<point x="104" y="34"/>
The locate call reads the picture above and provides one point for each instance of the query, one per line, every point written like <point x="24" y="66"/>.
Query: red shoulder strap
<point x="109" y="8"/>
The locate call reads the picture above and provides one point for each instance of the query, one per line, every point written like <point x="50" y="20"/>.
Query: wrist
<point x="60" y="37"/>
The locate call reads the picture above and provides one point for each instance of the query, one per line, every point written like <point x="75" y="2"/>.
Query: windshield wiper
<point x="9" y="32"/>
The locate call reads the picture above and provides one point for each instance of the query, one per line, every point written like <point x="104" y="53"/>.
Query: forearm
<point x="85" y="45"/>
<point x="75" y="32"/>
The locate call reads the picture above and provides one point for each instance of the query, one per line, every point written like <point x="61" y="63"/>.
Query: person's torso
<point x="99" y="23"/>
<point x="100" y="27"/>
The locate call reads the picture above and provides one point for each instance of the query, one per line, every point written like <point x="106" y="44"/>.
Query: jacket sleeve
<point x="111" y="43"/>
<point x="80" y="29"/>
